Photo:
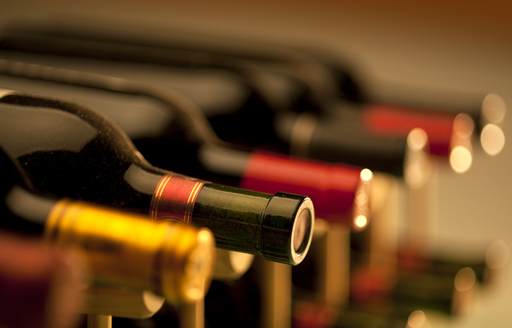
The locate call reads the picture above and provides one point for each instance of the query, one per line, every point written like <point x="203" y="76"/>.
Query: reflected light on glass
<point x="461" y="159"/>
<point x="492" y="139"/>
<point x="366" y="175"/>
<point x="360" y="222"/>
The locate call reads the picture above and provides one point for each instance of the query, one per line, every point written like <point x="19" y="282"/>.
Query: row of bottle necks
<point x="81" y="137"/>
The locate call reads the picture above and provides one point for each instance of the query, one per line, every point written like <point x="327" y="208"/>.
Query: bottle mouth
<point x="198" y="269"/>
<point x="461" y="154"/>
<point x="417" y="319"/>
<point x="464" y="284"/>
<point x="492" y="137"/>
<point x="302" y="231"/>
<point x="188" y="270"/>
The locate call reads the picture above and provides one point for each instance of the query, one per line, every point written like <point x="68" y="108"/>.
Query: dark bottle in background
<point x="249" y="115"/>
<point x="159" y="133"/>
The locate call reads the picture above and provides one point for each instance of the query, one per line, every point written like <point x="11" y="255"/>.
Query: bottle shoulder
<point x="71" y="152"/>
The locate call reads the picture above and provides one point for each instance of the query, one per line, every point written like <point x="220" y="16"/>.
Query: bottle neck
<point x="341" y="138"/>
<point x="25" y="212"/>
<point x="209" y="162"/>
<point x="277" y="226"/>
<point x="332" y="188"/>
<point x="409" y="290"/>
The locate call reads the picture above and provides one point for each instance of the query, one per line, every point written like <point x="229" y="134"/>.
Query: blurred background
<point x="446" y="47"/>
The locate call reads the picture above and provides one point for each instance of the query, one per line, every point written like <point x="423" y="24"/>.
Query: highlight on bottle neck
<point x="121" y="249"/>
<point x="493" y="112"/>
<point x="340" y="192"/>
<point x="5" y="92"/>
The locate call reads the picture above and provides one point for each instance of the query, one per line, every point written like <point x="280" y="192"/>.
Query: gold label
<point x="135" y="252"/>
<point x="119" y="247"/>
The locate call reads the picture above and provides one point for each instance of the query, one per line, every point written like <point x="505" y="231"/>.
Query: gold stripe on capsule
<point x="191" y="201"/>
<point x="155" y="201"/>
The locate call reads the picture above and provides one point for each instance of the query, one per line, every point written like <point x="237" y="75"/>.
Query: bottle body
<point x="158" y="133"/>
<point x="69" y="151"/>
<point x="50" y="278"/>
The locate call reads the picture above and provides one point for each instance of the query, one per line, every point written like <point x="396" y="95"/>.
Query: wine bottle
<point x="449" y="294"/>
<point x="323" y="70"/>
<point x="120" y="249"/>
<point x="489" y="111"/>
<point x="340" y="193"/>
<point x="448" y="135"/>
<point x="250" y="120"/>
<point x="328" y="78"/>
<point x="70" y="151"/>
<point x="487" y="268"/>
<point x="50" y="278"/>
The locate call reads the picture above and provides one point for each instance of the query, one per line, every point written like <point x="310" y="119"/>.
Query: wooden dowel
<point x="121" y="302"/>
<point x="386" y="196"/>
<point x="334" y="266"/>
<point x="192" y="315"/>
<point x="99" y="321"/>
<point x="276" y="289"/>
<point x="420" y="188"/>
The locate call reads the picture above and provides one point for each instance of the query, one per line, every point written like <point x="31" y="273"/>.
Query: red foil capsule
<point x="397" y="121"/>
<point x="39" y="286"/>
<point x="340" y="193"/>
<point x="175" y="200"/>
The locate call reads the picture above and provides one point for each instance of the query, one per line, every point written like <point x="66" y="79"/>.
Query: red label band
<point x="391" y="120"/>
<point x="331" y="187"/>
<point x="174" y="198"/>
